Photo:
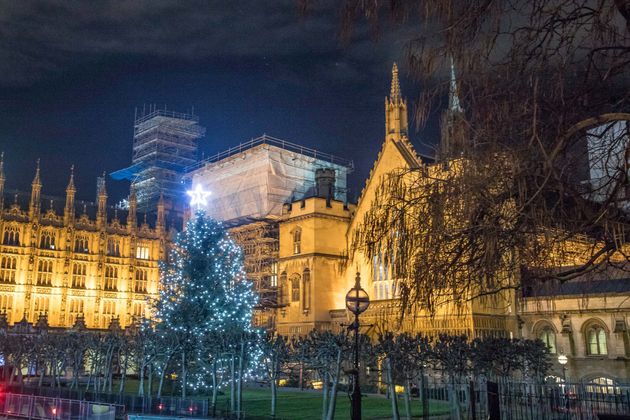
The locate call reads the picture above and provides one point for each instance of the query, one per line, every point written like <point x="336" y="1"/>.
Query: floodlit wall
<point x="255" y="183"/>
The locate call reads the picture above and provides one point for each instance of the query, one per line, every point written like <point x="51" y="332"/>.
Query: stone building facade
<point x="66" y="261"/>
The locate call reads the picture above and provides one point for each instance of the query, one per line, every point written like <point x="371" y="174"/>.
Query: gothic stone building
<point x="585" y="319"/>
<point x="68" y="262"/>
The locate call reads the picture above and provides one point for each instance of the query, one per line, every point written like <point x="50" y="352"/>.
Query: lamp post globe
<point x="357" y="302"/>
<point x="357" y="299"/>
<point x="563" y="360"/>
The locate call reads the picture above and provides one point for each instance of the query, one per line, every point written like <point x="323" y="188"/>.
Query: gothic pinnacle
<point x="70" y="186"/>
<point x="394" y="94"/>
<point x="36" y="180"/>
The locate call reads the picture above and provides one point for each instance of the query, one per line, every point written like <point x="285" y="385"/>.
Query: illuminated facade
<point x="63" y="263"/>
<point x="587" y="321"/>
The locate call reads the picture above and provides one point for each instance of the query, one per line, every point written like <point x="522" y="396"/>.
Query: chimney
<point x="325" y="183"/>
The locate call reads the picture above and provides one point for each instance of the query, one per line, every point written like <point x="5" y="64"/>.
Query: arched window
<point x="81" y="244"/>
<point x="140" y="285"/>
<point x="113" y="247"/>
<point x="47" y="240"/>
<point x="44" y="272"/>
<point x="295" y="288"/>
<point x="78" y="276"/>
<point x="8" y="267"/>
<point x="596" y="340"/>
<point x="282" y="288"/>
<point x="11" y="236"/>
<point x="297" y="240"/>
<point x="41" y="305"/>
<point x="6" y="303"/>
<point x="548" y="336"/>
<point x="111" y="278"/>
<point x="142" y="251"/>
<point x="306" y="289"/>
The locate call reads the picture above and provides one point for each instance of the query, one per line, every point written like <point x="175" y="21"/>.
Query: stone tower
<point x="396" y="123"/>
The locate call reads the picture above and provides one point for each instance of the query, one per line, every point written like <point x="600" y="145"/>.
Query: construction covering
<point x="254" y="180"/>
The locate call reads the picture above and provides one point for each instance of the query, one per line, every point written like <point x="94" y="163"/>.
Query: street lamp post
<point x="357" y="301"/>
<point x="563" y="360"/>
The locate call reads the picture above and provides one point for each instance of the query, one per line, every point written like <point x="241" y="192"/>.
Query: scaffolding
<point x="164" y="144"/>
<point x="260" y="244"/>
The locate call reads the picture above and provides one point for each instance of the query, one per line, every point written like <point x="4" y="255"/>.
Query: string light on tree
<point x="205" y="299"/>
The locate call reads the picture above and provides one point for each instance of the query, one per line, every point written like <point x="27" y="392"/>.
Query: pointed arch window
<point x="596" y="343"/>
<point x="140" y="285"/>
<point x="41" y="306"/>
<point x="306" y="289"/>
<point x="44" y="272"/>
<point x="11" y="236"/>
<point x="111" y="278"/>
<point x="282" y="288"/>
<point x="548" y="336"/>
<point x="78" y="275"/>
<point x="8" y="268"/>
<point x="297" y="240"/>
<point x="47" y="240"/>
<point x="113" y="247"/>
<point x="295" y="288"/>
<point x="81" y="244"/>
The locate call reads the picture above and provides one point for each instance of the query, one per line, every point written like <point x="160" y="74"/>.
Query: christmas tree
<point x="204" y="293"/>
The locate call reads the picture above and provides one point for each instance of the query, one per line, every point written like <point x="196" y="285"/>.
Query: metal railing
<point x="38" y="407"/>
<point x="282" y="144"/>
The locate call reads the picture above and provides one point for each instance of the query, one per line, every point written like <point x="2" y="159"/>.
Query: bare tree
<point x="534" y="149"/>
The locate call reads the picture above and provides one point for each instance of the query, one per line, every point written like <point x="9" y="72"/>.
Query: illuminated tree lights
<point x="206" y="305"/>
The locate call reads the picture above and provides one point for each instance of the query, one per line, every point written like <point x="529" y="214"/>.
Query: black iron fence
<point x="172" y="406"/>
<point x="512" y="400"/>
<point x="38" y="407"/>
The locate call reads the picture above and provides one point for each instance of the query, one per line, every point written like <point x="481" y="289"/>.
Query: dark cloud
<point x="43" y="39"/>
<point x="72" y="72"/>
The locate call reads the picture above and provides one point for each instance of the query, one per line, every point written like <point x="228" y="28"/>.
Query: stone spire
<point x="453" y="91"/>
<point x="133" y="207"/>
<point x="394" y="94"/>
<point x="2" y="179"/>
<point x="101" y="213"/>
<point x="68" y="211"/>
<point x="396" y="122"/>
<point x="454" y="134"/>
<point x="36" y="189"/>
<point x="159" y="224"/>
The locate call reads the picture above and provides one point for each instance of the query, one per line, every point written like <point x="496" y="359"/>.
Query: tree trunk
<point x="215" y="387"/>
<point x="273" y="384"/>
<point x="162" y="374"/>
<point x="424" y="396"/>
<point x="454" y="400"/>
<point x="184" y="372"/>
<point x="332" y="403"/>
<point x="123" y="376"/>
<point x="392" y="389"/>
<point x="141" y="378"/>
<point x="241" y="361"/>
<point x="41" y="376"/>
<point x="408" y="398"/>
<point x="150" y="381"/>
<point x="301" y="375"/>
<point x="325" y="396"/>
<point x="232" y="388"/>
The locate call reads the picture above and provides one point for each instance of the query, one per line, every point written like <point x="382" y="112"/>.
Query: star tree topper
<point x="198" y="197"/>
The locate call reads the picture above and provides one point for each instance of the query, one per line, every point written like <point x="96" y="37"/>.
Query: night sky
<point x="72" y="73"/>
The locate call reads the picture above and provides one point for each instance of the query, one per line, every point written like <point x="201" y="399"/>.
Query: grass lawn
<point x="305" y="405"/>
